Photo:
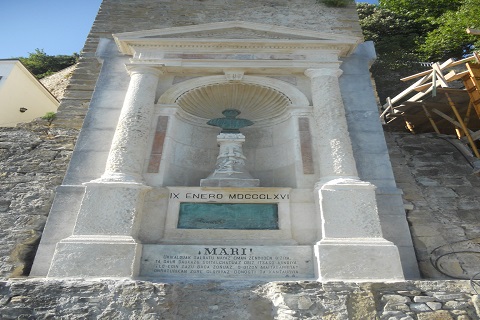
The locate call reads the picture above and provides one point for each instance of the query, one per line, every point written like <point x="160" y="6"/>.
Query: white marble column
<point x="127" y="153"/>
<point x="104" y="240"/>
<point x="351" y="245"/>
<point x="333" y="141"/>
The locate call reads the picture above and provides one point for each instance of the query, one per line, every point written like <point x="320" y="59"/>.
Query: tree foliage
<point x="395" y="35"/>
<point x="42" y="65"/>
<point x="450" y="39"/>
<point x="441" y="25"/>
<point x="409" y="32"/>
<point x="336" y="3"/>
<point x="423" y="10"/>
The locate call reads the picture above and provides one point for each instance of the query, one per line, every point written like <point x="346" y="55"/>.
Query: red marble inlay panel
<point x="157" y="145"/>
<point x="306" y="145"/>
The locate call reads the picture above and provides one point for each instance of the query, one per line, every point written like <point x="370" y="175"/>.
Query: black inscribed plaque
<point x="240" y="216"/>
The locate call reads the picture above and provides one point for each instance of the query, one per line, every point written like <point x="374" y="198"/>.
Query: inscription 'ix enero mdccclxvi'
<point x="231" y="196"/>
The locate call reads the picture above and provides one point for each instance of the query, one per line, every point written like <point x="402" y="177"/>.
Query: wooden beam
<point x="462" y="61"/>
<point x="452" y="75"/>
<point x="464" y="127"/>
<point x="410" y="88"/>
<point x="448" y="118"/>
<point x="439" y="75"/>
<point x="429" y="116"/>
<point x="420" y="94"/>
<point x="475" y="32"/>
<point x="474" y="135"/>
<point x="414" y="76"/>
<point x="389" y="107"/>
<point x="449" y="63"/>
<point x="469" y="112"/>
<point x="423" y="87"/>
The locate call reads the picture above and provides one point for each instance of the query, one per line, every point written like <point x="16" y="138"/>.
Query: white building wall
<point x="20" y="89"/>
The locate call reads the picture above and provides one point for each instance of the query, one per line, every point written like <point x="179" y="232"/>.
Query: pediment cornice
<point x="233" y="36"/>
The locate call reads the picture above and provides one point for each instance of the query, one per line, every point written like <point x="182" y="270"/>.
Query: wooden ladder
<point x="472" y="85"/>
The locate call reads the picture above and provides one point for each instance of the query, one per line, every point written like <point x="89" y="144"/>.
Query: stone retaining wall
<point x="110" y="299"/>
<point x="33" y="161"/>
<point x="442" y="196"/>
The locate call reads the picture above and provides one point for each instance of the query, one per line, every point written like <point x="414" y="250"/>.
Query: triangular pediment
<point x="230" y="32"/>
<point x="236" y="33"/>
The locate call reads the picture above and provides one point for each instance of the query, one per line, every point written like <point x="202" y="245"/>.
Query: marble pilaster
<point x="127" y="153"/>
<point x="104" y="240"/>
<point x="352" y="246"/>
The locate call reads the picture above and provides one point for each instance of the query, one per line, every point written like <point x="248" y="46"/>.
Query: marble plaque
<point x="227" y="262"/>
<point x="243" y="216"/>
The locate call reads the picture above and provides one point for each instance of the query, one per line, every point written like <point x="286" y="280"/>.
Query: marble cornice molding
<point x="232" y="36"/>
<point x="246" y="45"/>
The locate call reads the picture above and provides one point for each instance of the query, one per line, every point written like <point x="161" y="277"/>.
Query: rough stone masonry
<point x="33" y="158"/>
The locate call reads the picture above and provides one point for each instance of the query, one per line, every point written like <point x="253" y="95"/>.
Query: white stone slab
<point x="227" y="262"/>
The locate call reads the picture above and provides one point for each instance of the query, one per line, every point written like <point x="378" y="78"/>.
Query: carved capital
<point x="156" y="70"/>
<point x="324" y="72"/>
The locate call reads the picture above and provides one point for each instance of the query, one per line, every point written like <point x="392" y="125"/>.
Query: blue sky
<point x="56" y="26"/>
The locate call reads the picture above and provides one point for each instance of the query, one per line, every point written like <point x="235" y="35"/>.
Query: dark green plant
<point x="335" y="3"/>
<point x="395" y="35"/>
<point x="441" y="26"/>
<point x="49" y="116"/>
<point x="42" y="65"/>
<point x="449" y="39"/>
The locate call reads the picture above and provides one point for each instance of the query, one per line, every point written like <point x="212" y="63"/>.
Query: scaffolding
<point x="444" y="99"/>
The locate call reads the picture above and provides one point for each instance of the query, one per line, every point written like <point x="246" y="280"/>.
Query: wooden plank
<point x="464" y="127"/>
<point x="389" y="107"/>
<point x="413" y="76"/>
<point x="461" y="61"/>
<point x="424" y="73"/>
<point x="420" y="94"/>
<point x="439" y="75"/>
<point x="452" y="75"/>
<point x="448" y="118"/>
<point x="469" y="112"/>
<point x="423" y="87"/>
<point x="475" y="32"/>
<point x="450" y="63"/>
<point x="476" y="135"/>
<point x="429" y="116"/>
<point x="473" y="85"/>
<point x="410" y="88"/>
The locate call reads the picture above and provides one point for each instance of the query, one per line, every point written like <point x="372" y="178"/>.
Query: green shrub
<point x="49" y="116"/>
<point x="336" y="3"/>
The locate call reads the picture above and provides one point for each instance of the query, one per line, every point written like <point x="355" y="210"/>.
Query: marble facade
<point x="285" y="80"/>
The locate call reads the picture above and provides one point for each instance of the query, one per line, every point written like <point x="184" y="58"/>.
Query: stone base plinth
<point x="230" y="183"/>
<point x="96" y="258"/>
<point x="349" y="209"/>
<point x="358" y="260"/>
<point x="353" y="247"/>
<point x="217" y="262"/>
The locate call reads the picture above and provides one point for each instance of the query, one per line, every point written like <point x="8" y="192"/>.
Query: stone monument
<point x="230" y="170"/>
<point x="149" y="194"/>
